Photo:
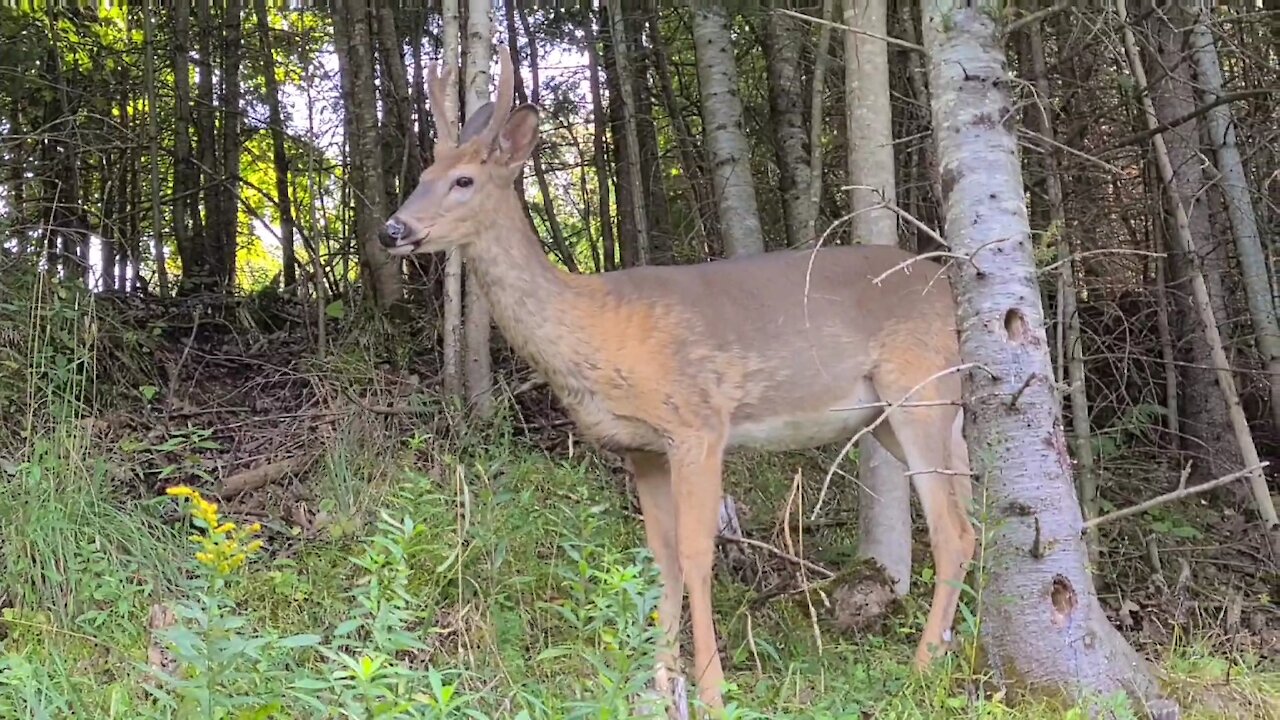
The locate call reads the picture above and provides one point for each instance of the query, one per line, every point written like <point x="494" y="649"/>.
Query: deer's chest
<point x="611" y="428"/>
<point x="612" y="420"/>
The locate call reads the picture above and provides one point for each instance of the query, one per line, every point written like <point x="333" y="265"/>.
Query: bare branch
<point x="856" y="31"/>
<point x="1178" y="494"/>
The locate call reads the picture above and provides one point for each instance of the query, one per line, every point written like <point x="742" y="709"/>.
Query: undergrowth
<point x="472" y="576"/>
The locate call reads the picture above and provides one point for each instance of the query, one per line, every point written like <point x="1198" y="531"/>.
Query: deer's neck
<point x="534" y="303"/>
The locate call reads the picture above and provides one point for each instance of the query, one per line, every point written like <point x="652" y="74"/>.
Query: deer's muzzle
<point x="393" y="233"/>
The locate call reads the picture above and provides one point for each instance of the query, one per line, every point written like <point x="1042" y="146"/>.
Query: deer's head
<point x="455" y="194"/>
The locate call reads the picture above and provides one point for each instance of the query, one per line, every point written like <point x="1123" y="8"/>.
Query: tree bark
<point x="186" y="176"/>
<point x="540" y="173"/>
<point x="652" y="177"/>
<point x="600" y="158"/>
<point x="870" y="126"/>
<point x="817" y="118"/>
<point x="153" y="131"/>
<point x="631" y="190"/>
<point x="381" y="272"/>
<point x="229" y="188"/>
<point x="396" y="83"/>
<point x="1043" y="627"/>
<point x="452" y="341"/>
<point x="477" y="316"/>
<point x="729" y="152"/>
<point x="1186" y="242"/>
<point x="783" y="39"/>
<point x="204" y="220"/>
<point x="278" y="154"/>
<point x="1235" y="192"/>
<point x="691" y="166"/>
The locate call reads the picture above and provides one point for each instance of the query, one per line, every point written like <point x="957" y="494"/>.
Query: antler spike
<point x="442" y="93"/>
<point x="506" y="94"/>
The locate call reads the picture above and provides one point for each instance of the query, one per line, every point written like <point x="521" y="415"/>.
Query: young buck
<point x="674" y="366"/>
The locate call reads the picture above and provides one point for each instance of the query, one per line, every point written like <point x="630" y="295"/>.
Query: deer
<point x="673" y="367"/>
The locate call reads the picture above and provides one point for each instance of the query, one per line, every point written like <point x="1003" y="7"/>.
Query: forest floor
<point x="415" y="565"/>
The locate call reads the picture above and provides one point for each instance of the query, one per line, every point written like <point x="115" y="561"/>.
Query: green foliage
<point x="467" y="577"/>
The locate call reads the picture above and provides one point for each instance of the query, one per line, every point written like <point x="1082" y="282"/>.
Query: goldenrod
<point x="224" y="547"/>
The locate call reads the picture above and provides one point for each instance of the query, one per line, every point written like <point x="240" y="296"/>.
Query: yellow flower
<point x="223" y="547"/>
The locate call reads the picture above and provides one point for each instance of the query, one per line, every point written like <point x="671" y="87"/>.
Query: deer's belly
<point x="800" y="430"/>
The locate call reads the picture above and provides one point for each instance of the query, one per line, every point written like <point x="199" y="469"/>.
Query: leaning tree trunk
<point x="884" y="493"/>
<point x="1244" y="223"/>
<point x="662" y="239"/>
<point x="1186" y="243"/>
<point x="783" y="39"/>
<point x="477" y="317"/>
<point x="540" y="172"/>
<point x="1042" y="624"/>
<point x="1206" y="417"/>
<point x="278" y="154"/>
<point x="725" y="140"/>
<point x="396" y="84"/>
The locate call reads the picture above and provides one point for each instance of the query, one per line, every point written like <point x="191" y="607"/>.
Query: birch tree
<point x="452" y="373"/>
<point x="884" y="493"/>
<point x="1042" y="624"/>
<point x="477" y="318"/>
<point x="729" y="153"/>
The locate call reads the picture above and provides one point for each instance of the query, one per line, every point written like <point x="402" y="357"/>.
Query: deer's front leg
<point x="696" y="465"/>
<point x="653" y="486"/>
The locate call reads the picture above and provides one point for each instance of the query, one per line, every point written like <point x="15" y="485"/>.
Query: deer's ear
<point x="518" y="137"/>
<point x="476" y="123"/>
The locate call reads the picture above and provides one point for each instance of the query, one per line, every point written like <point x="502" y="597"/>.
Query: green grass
<point x="521" y="581"/>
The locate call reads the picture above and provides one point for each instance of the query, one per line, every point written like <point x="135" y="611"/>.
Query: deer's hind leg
<point x="925" y="438"/>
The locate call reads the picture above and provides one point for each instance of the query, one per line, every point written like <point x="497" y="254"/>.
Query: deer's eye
<point x="463" y="181"/>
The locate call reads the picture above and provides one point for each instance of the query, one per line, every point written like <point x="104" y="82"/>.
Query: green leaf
<point x="335" y="309"/>
<point x="347" y="627"/>
<point x="298" y="641"/>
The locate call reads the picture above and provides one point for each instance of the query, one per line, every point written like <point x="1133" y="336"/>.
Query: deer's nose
<point x="392" y="232"/>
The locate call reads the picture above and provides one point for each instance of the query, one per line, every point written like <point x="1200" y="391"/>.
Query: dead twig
<point x="1178" y="494"/>
<point x="826" y="482"/>
<point x="810" y="566"/>
<point x="263" y="475"/>
<point x="390" y="409"/>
